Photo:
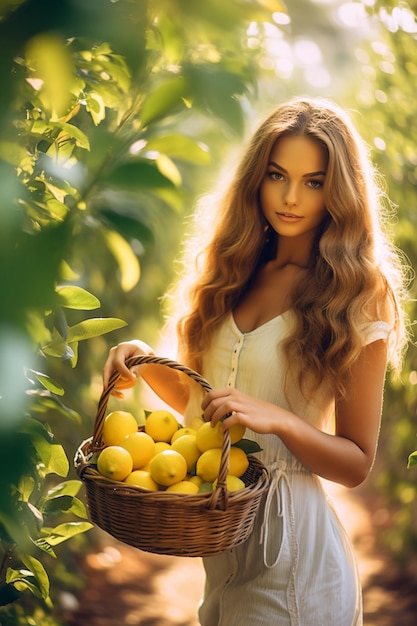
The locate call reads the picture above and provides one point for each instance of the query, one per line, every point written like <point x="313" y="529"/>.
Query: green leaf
<point x="63" y="532"/>
<point x="137" y="174"/>
<point x="67" y="488"/>
<point x="74" y="357"/>
<point x="31" y="518"/>
<point x="128" y="263"/>
<point x="64" y="504"/>
<point x="248" y="446"/>
<point x="58" y="463"/>
<point x="39" y="572"/>
<point x="26" y="487"/>
<point x="43" y="545"/>
<point x="180" y="147"/>
<point x="96" y="107"/>
<point x="40" y="439"/>
<point x="126" y="221"/>
<point x="164" y="99"/>
<point x="44" y="401"/>
<point x="48" y="383"/>
<point x="168" y="168"/>
<point x="20" y="579"/>
<point x="77" y="298"/>
<point x="94" y="328"/>
<point x="41" y="127"/>
<point x="58" y="348"/>
<point x="412" y="460"/>
<point x="58" y="505"/>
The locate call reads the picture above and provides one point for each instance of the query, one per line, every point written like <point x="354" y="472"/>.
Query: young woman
<point x="295" y="308"/>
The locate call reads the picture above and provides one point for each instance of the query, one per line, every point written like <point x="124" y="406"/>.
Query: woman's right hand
<point x="117" y="361"/>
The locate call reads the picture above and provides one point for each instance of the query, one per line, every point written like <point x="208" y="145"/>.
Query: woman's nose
<point x="291" y="195"/>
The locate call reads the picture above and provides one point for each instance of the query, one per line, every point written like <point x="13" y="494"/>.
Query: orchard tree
<point x="387" y="115"/>
<point x="98" y="105"/>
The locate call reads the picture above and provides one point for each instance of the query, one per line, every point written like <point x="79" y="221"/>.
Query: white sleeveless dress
<point x="297" y="568"/>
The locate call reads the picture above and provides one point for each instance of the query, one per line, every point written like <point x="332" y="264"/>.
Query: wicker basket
<point x="170" y="523"/>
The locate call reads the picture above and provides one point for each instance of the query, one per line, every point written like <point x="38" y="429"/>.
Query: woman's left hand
<point x="260" y="416"/>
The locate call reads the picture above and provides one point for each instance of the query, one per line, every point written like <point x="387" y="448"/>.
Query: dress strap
<point x="280" y="489"/>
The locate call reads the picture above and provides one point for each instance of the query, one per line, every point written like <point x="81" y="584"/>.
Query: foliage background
<point x="115" y="117"/>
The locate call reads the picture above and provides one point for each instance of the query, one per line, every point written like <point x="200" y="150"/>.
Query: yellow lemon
<point x="233" y="483"/>
<point x="184" y="486"/>
<point x="181" y="432"/>
<point x="168" y="467"/>
<point x="116" y="426"/>
<point x="208" y="465"/>
<point x="187" y="446"/>
<point x="238" y="461"/>
<point x="236" y="433"/>
<point x="161" y="445"/>
<point x="141" y="478"/>
<point x="141" y="448"/>
<point x="115" y="462"/>
<point x="205" y="488"/>
<point x="197" y="480"/>
<point x="161" y="425"/>
<point x="208" y="437"/>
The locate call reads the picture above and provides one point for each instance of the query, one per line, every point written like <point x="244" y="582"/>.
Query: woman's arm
<point x="170" y="385"/>
<point x="345" y="457"/>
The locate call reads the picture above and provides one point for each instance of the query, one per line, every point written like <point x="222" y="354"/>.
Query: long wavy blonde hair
<point x="356" y="276"/>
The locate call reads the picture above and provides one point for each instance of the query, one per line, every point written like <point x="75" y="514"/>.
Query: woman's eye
<point x="315" y="184"/>
<point x="275" y="175"/>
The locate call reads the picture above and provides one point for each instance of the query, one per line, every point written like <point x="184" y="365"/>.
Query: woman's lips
<point x="289" y="217"/>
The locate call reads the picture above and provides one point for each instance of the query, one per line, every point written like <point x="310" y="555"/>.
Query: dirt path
<point x="128" y="587"/>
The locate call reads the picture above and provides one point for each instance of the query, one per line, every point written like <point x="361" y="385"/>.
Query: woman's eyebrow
<point x="309" y="175"/>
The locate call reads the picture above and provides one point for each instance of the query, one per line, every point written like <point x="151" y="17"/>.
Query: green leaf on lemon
<point x="248" y="446"/>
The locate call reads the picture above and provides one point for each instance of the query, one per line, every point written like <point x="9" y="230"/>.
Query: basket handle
<point x="220" y="494"/>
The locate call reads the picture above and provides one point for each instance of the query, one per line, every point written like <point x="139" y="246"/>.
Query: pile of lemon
<point x="165" y="456"/>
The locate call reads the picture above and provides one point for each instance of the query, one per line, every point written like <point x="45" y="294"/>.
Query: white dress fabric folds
<point x="297" y="568"/>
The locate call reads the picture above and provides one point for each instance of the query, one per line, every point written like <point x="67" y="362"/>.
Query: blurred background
<point x="116" y="116"/>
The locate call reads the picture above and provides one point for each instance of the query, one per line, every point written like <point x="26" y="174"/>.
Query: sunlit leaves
<point x="63" y="532"/>
<point x="412" y="460"/>
<point x="52" y="129"/>
<point x="93" y="328"/>
<point x="138" y="173"/>
<point x="128" y="263"/>
<point x="42" y="402"/>
<point x="58" y="462"/>
<point x="47" y="382"/>
<point x="216" y="91"/>
<point x="38" y="570"/>
<point x="388" y="122"/>
<point x="180" y="147"/>
<point x="96" y="107"/>
<point x="74" y="297"/>
<point x="25" y="579"/>
<point x="53" y="68"/>
<point x="81" y="86"/>
<point x="166" y="99"/>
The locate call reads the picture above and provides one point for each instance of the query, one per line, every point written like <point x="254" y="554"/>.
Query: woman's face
<point x="291" y="193"/>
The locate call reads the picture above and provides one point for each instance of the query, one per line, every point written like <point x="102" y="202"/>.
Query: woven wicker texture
<point x="169" y="523"/>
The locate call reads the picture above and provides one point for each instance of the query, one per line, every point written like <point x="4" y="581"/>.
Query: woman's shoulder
<point x="379" y="320"/>
<point x="374" y="330"/>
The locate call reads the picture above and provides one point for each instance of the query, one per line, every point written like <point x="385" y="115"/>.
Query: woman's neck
<point x="294" y="251"/>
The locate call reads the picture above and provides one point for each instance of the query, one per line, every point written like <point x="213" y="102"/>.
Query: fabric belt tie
<point x="280" y="489"/>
